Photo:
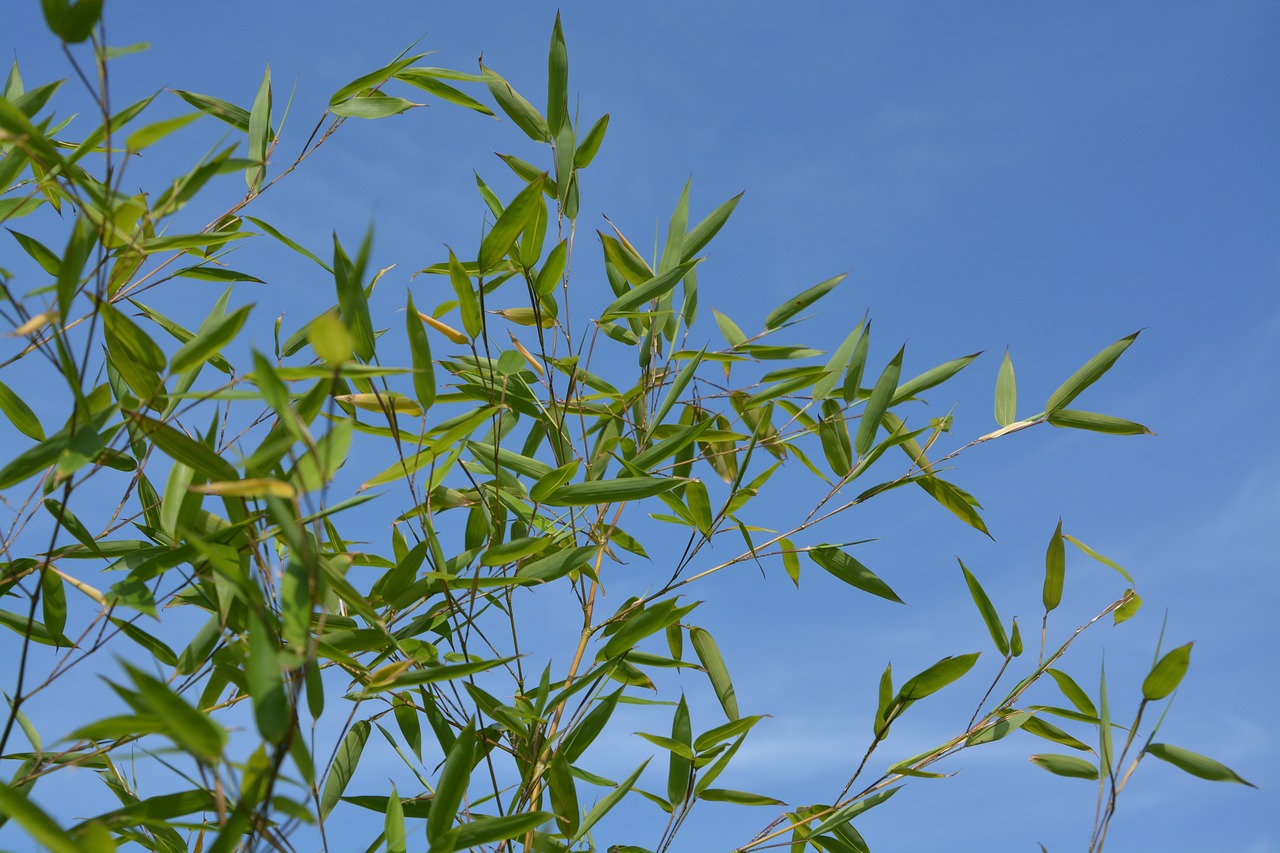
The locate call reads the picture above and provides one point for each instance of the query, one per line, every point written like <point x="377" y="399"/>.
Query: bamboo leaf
<point x="344" y="766"/>
<point x="877" y="404"/>
<point x="960" y="502"/>
<point x="212" y="336"/>
<point x="989" y="615"/>
<point x="520" y="111"/>
<point x="1055" y="567"/>
<point x="499" y="240"/>
<point x="564" y="794"/>
<point x="1066" y="765"/>
<point x="607" y="803"/>
<point x="1006" y="392"/>
<point x="595" y="492"/>
<point x="709" y="655"/>
<point x="455" y="776"/>
<point x="801" y="301"/>
<point x="852" y="572"/>
<point x="42" y="828"/>
<point x="654" y="288"/>
<point x="937" y="676"/>
<point x="1089" y="373"/>
<point x="931" y="378"/>
<point x="1094" y="422"/>
<point x="1166" y="675"/>
<point x="738" y="798"/>
<point x="1195" y="764"/>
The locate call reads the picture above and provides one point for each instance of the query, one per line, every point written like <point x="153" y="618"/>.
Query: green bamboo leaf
<point x="852" y="572"/>
<point x="53" y="601"/>
<point x="700" y="235"/>
<point x="476" y="833"/>
<point x="989" y="615"/>
<point x="184" y="449"/>
<point x="677" y="388"/>
<point x="590" y="144"/>
<point x="1048" y="731"/>
<point x="937" y="676"/>
<point x="642" y="624"/>
<point x="344" y="766"/>
<point x="266" y="686"/>
<point x="1006" y="392"/>
<point x="424" y="371"/>
<point x="434" y="674"/>
<point x="594" y="492"/>
<point x="877" y="404"/>
<point x="1089" y="373"/>
<point x="833" y="432"/>
<point x="852" y="388"/>
<point x="717" y="672"/>
<point x="190" y="729"/>
<point x="801" y="301"/>
<point x="1055" y="568"/>
<point x="960" y="502"/>
<point x="19" y="414"/>
<point x="1066" y="765"/>
<point x="394" y="824"/>
<point x="271" y="230"/>
<point x="514" y="550"/>
<point x="838" y="363"/>
<point x="428" y="81"/>
<point x="374" y="105"/>
<point x="1195" y="764"/>
<point x="38" y="825"/>
<point x="499" y="240"/>
<point x="1100" y="558"/>
<point x="552" y="480"/>
<point x="202" y="240"/>
<point x="352" y="300"/>
<point x="607" y="803"/>
<point x="135" y="355"/>
<point x="32" y="629"/>
<point x="39" y="252"/>
<point x="1166" y="675"/>
<point x="729" y="329"/>
<point x="154" y="646"/>
<point x="1129" y="609"/>
<point x="73" y="526"/>
<point x="680" y="764"/>
<point x="259" y="133"/>
<point x="1094" y="422"/>
<point x="564" y="794"/>
<point x="790" y="560"/>
<point x="520" y="111"/>
<point x="214" y="334"/>
<point x="557" y="80"/>
<point x="72" y="21"/>
<point x="455" y="775"/>
<point x="654" y="288"/>
<point x="552" y="271"/>
<point x="699" y="504"/>
<point x="931" y="378"/>
<point x="152" y="133"/>
<point x="1074" y="693"/>
<point x="738" y="798"/>
<point x="237" y="117"/>
<point x="725" y="731"/>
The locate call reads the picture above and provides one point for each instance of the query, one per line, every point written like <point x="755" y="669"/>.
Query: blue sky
<point x="1046" y="177"/>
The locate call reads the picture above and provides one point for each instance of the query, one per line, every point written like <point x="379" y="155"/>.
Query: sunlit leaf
<point x="1195" y="764"/>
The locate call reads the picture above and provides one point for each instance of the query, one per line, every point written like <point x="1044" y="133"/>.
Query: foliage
<point x="509" y="442"/>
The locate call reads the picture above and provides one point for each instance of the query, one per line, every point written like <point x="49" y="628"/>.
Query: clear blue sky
<point x="1048" y="177"/>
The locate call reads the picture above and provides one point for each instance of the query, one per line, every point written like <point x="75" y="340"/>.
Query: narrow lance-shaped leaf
<point x="852" y="572"/>
<point x="937" y="676"/>
<point x="878" y="404"/>
<point x="680" y="768"/>
<point x="590" y="143"/>
<point x="931" y="378"/>
<point x="1089" y="373"/>
<point x="344" y="766"/>
<point x="564" y="794"/>
<point x="352" y="301"/>
<point x="260" y="133"/>
<point x="19" y="414"/>
<point x="801" y="301"/>
<point x="1006" y="392"/>
<point x="520" y="111"/>
<point x="557" y="80"/>
<point x="700" y="235"/>
<point x="1196" y="764"/>
<point x="1166" y="675"/>
<point x="213" y="335"/>
<point x="1094" y="422"/>
<point x="1055" y="567"/>
<point x="503" y="235"/>
<point x="394" y="824"/>
<point x="989" y="615"/>
<point x="1066" y="765"/>
<point x="455" y="775"/>
<point x="424" y="374"/>
<point x="270" y="702"/>
<point x="717" y="672"/>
